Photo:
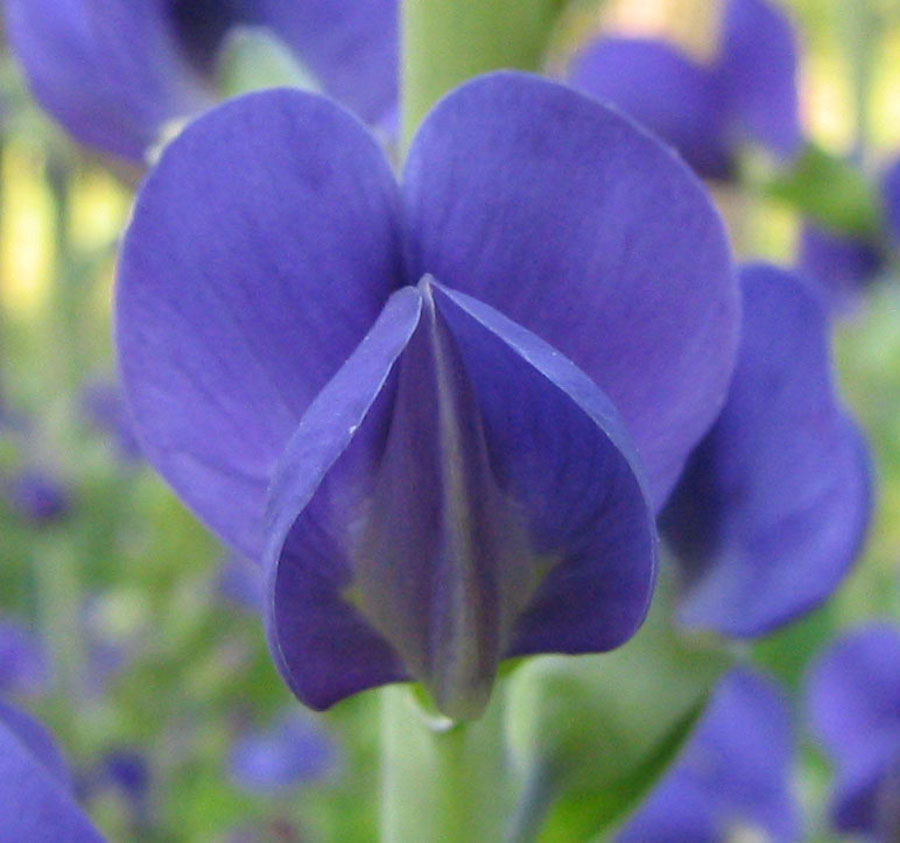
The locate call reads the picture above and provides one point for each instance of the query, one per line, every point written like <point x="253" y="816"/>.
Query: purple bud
<point x="294" y="751"/>
<point x="39" y="496"/>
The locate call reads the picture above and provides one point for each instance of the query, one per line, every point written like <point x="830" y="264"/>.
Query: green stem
<point x="442" y="781"/>
<point x="538" y="796"/>
<point x="67" y="302"/>
<point x="58" y="563"/>
<point x="860" y="32"/>
<point x="56" y="568"/>
<point x="446" y="42"/>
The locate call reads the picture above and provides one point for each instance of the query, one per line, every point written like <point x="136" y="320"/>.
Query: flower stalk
<point x="446" y="42"/>
<point x="442" y="780"/>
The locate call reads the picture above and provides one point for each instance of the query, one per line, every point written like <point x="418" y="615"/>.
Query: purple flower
<point x="126" y="773"/>
<point x="240" y="581"/>
<point x="38" y="496"/>
<point x="774" y="504"/>
<point x="294" y="751"/>
<point x="845" y="264"/>
<point x="734" y="774"/>
<point x="890" y="200"/>
<point x="105" y="410"/>
<point x="35" y="789"/>
<point x="854" y="706"/>
<point x="368" y="386"/>
<point x="116" y="73"/>
<point x="23" y="662"/>
<point x="747" y="93"/>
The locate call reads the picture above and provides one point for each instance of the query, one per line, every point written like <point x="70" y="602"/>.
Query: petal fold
<point x="580" y="227"/>
<point x="262" y="247"/>
<point x="478" y="499"/>
<point x="774" y="504"/>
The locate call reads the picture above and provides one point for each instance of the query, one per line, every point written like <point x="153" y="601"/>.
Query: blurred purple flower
<point x="294" y="751"/>
<point x="241" y="582"/>
<point x="38" y="496"/>
<point x="854" y="706"/>
<point x="890" y="200"/>
<point x="845" y="264"/>
<point x="773" y="507"/>
<point x="734" y="775"/>
<point x="115" y="73"/>
<point x="105" y="410"/>
<point x="23" y="662"/>
<point x="35" y="788"/>
<point x="747" y="93"/>
<point x="453" y="491"/>
<point x="129" y="771"/>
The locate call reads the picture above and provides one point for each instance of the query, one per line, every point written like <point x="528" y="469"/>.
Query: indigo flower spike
<point x="293" y="752"/>
<point x="35" y="791"/>
<point x="368" y="386"/>
<point x="733" y="780"/>
<point x="117" y="74"/>
<point x="706" y="111"/>
<point x="853" y="699"/>
<point x="774" y="504"/>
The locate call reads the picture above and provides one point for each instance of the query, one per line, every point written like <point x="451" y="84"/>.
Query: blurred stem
<point x="66" y="298"/>
<point x="446" y="42"/>
<point x="58" y="566"/>
<point x="59" y="610"/>
<point x="538" y="796"/>
<point x="860" y="29"/>
<point x="442" y="782"/>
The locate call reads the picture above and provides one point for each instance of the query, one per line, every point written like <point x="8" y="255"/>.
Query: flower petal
<point x="663" y="90"/>
<point x="110" y="71"/>
<point x="37" y="740"/>
<point x="733" y="775"/>
<point x="24" y="665"/>
<point x="842" y="263"/>
<point x="583" y="229"/>
<point x="293" y="751"/>
<point x="757" y="68"/>
<point x="561" y="450"/>
<point x="262" y="247"/>
<point x="322" y="646"/>
<point x="36" y="804"/>
<point x="890" y="195"/>
<point x="867" y="792"/>
<point x="428" y="524"/>
<point x="854" y="690"/>
<point x="351" y="47"/>
<point x="853" y="699"/>
<point x="774" y="504"/>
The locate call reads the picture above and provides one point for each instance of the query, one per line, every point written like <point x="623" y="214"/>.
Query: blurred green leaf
<point x="830" y="191"/>
<point x="594" y="733"/>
